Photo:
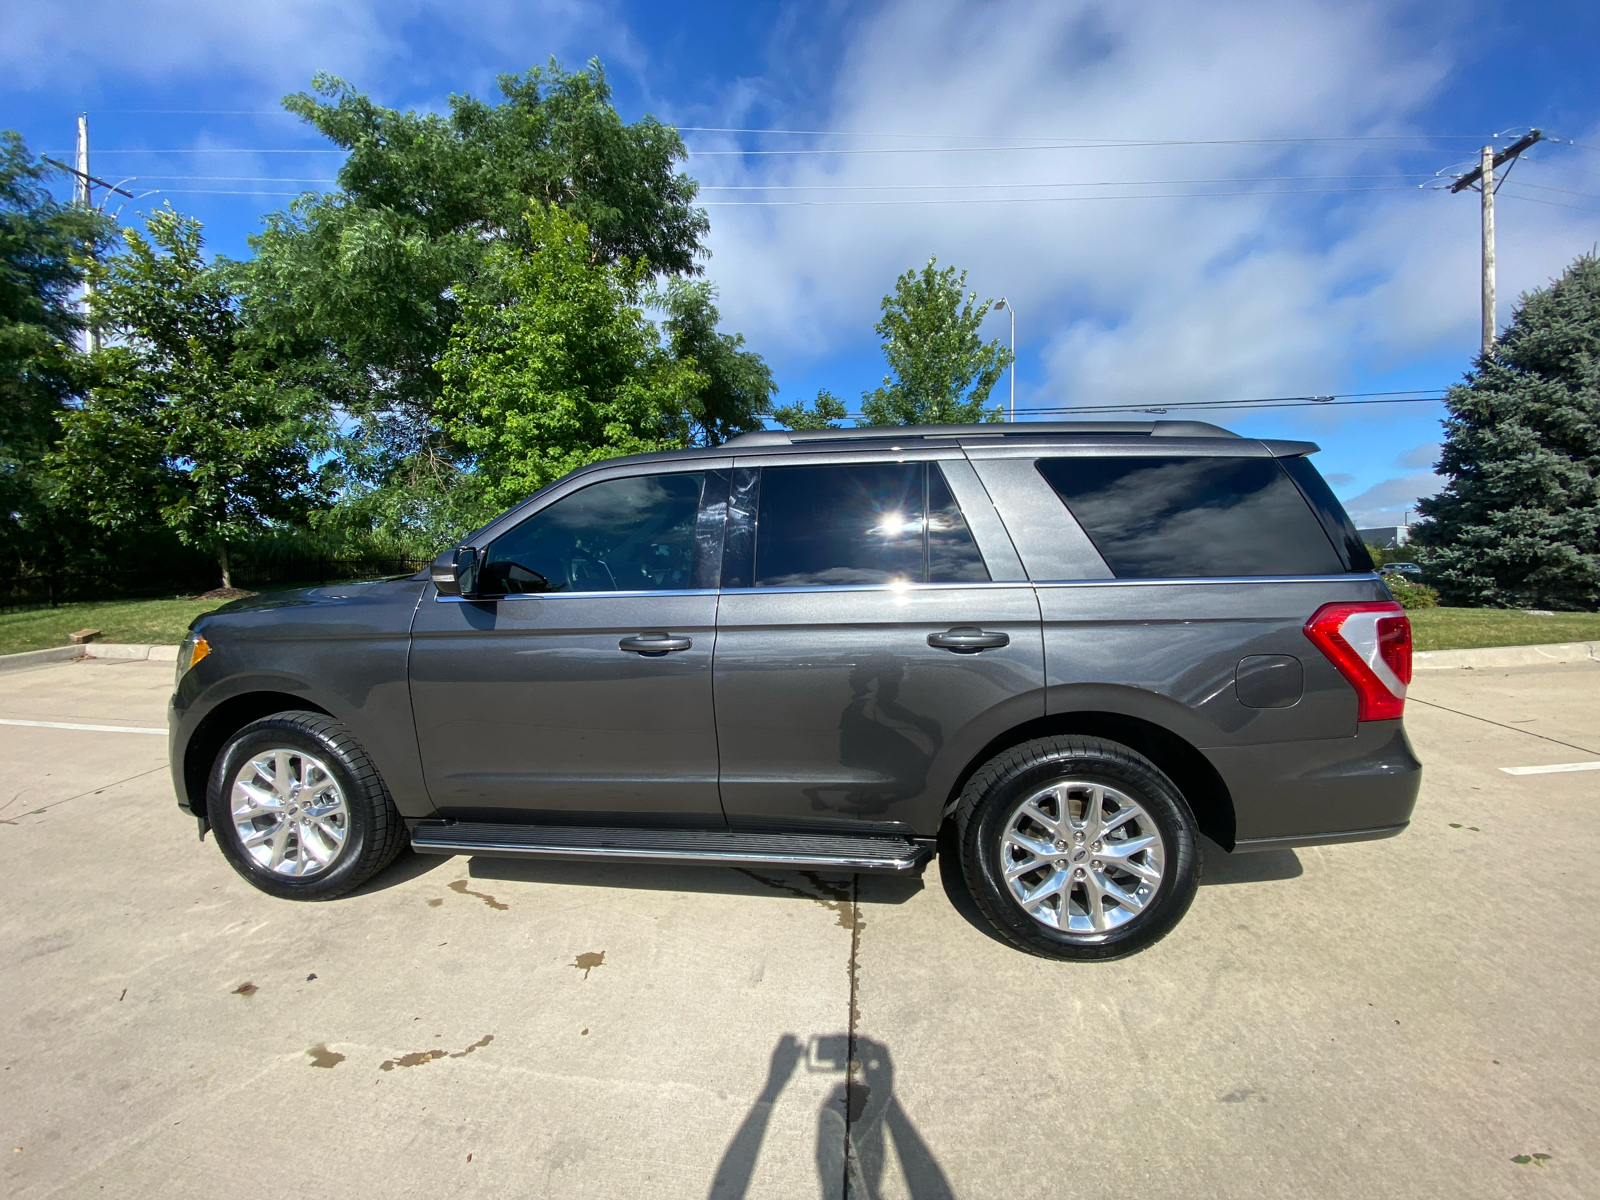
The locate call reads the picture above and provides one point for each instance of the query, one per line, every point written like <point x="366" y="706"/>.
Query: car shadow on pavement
<point x="407" y="866"/>
<point x="1220" y="868"/>
<point x="824" y="887"/>
<point x="856" y="1124"/>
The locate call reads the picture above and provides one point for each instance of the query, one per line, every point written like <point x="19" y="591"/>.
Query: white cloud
<point x="278" y="44"/>
<point x="1386" y="503"/>
<point x="1135" y="300"/>
<point x="1424" y="455"/>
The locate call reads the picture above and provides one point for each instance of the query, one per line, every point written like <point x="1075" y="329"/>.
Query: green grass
<point x="1468" y="628"/>
<point x="161" y="622"/>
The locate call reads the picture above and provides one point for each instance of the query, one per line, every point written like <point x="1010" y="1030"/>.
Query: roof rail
<point x="794" y="437"/>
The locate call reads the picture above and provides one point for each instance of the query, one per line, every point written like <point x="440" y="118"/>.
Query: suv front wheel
<point x="299" y="810"/>
<point x="1077" y="848"/>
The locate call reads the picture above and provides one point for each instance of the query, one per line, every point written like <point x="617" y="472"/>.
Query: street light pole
<point x="1006" y="304"/>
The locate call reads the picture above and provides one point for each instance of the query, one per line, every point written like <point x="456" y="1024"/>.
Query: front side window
<point x="622" y="535"/>
<point x="861" y="523"/>
<point x="1184" y="518"/>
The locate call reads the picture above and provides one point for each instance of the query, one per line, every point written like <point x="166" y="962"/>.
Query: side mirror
<point x="454" y="573"/>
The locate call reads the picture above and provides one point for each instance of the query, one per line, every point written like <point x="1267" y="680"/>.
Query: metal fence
<point x="51" y="589"/>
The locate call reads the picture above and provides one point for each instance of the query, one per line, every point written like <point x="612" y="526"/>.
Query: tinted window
<point x="859" y="524"/>
<point x="635" y="534"/>
<point x="952" y="554"/>
<point x="1166" y="518"/>
<point x="1335" y="521"/>
<point x="839" y="525"/>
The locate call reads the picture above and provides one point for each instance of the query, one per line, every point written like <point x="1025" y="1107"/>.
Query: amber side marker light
<point x="200" y="649"/>
<point x="1370" y="644"/>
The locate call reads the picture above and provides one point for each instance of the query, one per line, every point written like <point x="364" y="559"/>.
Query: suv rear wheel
<point x="299" y="809"/>
<point x="1077" y="848"/>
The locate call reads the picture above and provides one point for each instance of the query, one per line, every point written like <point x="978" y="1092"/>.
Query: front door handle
<point x="654" y="645"/>
<point x="968" y="639"/>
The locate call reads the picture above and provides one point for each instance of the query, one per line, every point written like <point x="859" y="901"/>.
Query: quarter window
<point x="1174" y="518"/>
<point x="861" y="523"/>
<point x="622" y="535"/>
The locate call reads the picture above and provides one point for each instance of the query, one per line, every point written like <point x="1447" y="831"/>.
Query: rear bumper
<point x="1327" y="790"/>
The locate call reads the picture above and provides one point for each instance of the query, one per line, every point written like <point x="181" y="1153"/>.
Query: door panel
<point x="833" y="708"/>
<point x="526" y="708"/>
<point x="582" y="691"/>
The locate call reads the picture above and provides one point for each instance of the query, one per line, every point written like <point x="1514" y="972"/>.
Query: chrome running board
<point x="706" y="847"/>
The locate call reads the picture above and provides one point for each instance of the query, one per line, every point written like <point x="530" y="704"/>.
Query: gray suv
<point x="1076" y="647"/>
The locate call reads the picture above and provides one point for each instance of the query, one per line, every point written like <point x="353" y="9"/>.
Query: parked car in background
<point x="1081" y="647"/>
<point x="1409" y="570"/>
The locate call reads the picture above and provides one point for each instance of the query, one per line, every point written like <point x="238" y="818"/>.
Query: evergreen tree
<point x="943" y="370"/>
<point x="1518" y="524"/>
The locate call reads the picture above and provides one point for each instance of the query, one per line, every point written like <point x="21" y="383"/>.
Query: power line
<point x="211" y="150"/>
<point x="1346" y="398"/>
<point x="884" y="187"/>
<point x="1411" y="137"/>
<point x="1047" y="199"/>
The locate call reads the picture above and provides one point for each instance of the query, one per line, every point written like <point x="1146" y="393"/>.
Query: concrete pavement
<point x="1395" y="1018"/>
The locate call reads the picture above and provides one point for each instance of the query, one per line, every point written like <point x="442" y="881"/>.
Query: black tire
<point x="1001" y="786"/>
<point x="374" y="833"/>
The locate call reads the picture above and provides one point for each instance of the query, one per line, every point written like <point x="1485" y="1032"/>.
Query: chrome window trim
<point x="573" y="595"/>
<point x="999" y="584"/>
<point x="1342" y="577"/>
<point x="896" y="588"/>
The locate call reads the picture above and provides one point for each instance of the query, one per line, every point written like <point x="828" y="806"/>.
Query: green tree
<point x="739" y="386"/>
<point x="553" y="364"/>
<point x="44" y="248"/>
<point x="826" y="411"/>
<point x="362" y="286"/>
<point x="185" y="425"/>
<point x="1518" y="523"/>
<point x="943" y="370"/>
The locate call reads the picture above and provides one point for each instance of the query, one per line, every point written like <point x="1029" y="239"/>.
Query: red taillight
<point x="1370" y="644"/>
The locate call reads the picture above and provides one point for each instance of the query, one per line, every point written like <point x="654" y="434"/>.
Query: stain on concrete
<point x="246" y="989"/>
<point x="834" y="897"/>
<point x="321" y="1056"/>
<point x="311" y="976"/>
<point x="460" y="887"/>
<point x="589" y="960"/>
<point x="1537" y="1160"/>
<point x="427" y="1056"/>
<point x="1240" y="1095"/>
<point x="436" y="902"/>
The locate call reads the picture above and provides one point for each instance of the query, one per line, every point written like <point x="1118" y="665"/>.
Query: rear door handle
<point x="654" y="645"/>
<point x="968" y="639"/>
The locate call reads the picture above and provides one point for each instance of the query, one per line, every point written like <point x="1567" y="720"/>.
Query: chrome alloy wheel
<point x="1082" y="857"/>
<point x="289" y="812"/>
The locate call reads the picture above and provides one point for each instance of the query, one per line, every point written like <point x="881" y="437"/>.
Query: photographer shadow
<point x="855" y="1125"/>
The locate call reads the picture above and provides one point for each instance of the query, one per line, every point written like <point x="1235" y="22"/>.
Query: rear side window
<point x="1182" y="518"/>
<point x="860" y="523"/>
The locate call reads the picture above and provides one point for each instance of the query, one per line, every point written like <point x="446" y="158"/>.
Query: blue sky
<point x="977" y="133"/>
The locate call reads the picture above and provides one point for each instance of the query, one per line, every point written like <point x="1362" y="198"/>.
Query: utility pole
<point x="83" y="185"/>
<point x="1006" y="304"/>
<point x="84" y="196"/>
<point x="1483" y="176"/>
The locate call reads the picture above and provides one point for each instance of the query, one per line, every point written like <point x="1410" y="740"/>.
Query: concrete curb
<point x="1507" y="656"/>
<point x="122" y="651"/>
<point x="39" y="658"/>
<point x="131" y="651"/>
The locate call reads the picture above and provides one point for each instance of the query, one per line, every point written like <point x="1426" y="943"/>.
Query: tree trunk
<point x="222" y="561"/>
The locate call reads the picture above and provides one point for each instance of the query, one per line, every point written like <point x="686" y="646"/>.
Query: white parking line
<point x="1552" y="768"/>
<point x="105" y="728"/>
